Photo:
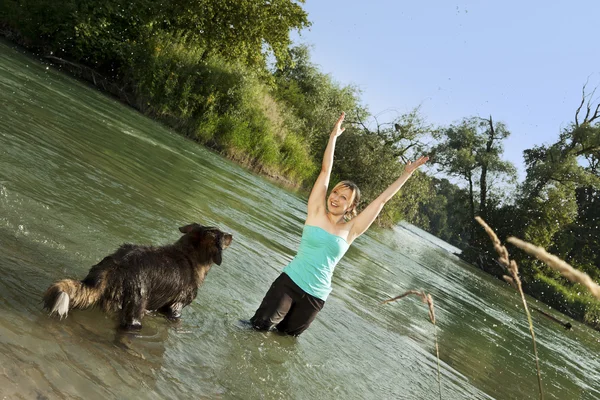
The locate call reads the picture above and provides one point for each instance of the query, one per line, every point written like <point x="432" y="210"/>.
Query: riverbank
<point x="126" y="94"/>
<point x="574" y="302"/>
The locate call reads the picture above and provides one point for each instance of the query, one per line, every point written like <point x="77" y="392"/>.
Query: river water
<point x="81" y="174"/>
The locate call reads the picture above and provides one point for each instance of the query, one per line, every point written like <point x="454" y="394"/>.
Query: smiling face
<point x="343" y="199"/>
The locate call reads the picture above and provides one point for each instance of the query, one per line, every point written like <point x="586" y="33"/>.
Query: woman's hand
<point x="337" y="128"/>
<point x="412" y="166"/>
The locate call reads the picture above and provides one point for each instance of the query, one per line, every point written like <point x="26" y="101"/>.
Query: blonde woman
<point x="299" y="293"/>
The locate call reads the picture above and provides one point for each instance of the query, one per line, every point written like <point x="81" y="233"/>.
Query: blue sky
<point x="523" y="62"/>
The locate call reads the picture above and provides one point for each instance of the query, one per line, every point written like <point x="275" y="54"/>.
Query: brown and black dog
<point x="136" y="279"/>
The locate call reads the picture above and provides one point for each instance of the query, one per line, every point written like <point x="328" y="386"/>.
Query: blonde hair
<point x="351" y="212"/>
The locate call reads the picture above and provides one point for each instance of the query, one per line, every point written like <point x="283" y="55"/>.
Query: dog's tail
<point x="67" y="294"/>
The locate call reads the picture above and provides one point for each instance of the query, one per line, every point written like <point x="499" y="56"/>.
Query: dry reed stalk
<point x="426" y="298"/>
<point x="510" y="280"/>
<point x="437" y="348"/>
<point x="561" y="266"/>
<point x="515" y="281"/>
<point x="415" y="292"/>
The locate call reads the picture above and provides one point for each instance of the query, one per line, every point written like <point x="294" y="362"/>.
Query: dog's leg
<point x="134" y="305"/>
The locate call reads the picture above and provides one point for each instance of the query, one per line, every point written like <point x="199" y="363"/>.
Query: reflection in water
<point x="80" y="175"/>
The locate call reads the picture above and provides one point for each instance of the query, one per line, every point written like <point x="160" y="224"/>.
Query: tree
<point x="447" y="217"/>
<point x="560" y="163"/>
<point x="561" y="189"/>
<point x="248" y="30"/>
<point x="105" y="34"/>
<point x="489" y="160"/>
<point x="471" y="151"/>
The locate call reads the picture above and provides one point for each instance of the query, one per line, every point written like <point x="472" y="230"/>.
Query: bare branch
<point x="588" y="150"/>
<point x="589" y="110"/>
<point x="409" y="146"/>
<point x="581" y="105"/>
<point x="361" y="122"/>
<point x="596" y="113"/>
<point x="377" y="122"/>
<point x="589" y="116"/>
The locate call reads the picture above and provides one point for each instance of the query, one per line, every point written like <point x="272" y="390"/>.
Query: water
<point x="80" y="174"/>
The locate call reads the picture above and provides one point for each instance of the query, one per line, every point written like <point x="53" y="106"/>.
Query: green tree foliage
<point x="560" y="192"/>
<point x="579" y="241"/>
<point x="558" y="201"/>
<point x="560" y="163"/>
<point x="471" y="151"/>
<point x="224" y="105"/>
<point x="314" y="98"/>
<point x="248" y="30"/>
<point x="448" y="217"/>
<point x="105" y="34"/>
<point x="554" y="174"/>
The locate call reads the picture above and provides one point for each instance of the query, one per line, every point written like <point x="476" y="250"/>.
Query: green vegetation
<point x="574" y="301"/>
<point x="224" y="74"/>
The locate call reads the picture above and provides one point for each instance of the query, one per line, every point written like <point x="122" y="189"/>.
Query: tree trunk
<point x="483" y="193"/>
<point x="472" y="205"/>
<point x="484" y="167"/>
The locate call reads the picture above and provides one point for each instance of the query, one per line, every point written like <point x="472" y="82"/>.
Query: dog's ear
<point x="223" y="240"/>
<point x="189" y="228"/>
<point x="218" y="257"/>
<point x="186" y="229"/>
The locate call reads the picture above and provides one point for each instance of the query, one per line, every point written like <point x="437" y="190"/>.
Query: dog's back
<point x="135" y="279"/>
<point x="166" y="274"/>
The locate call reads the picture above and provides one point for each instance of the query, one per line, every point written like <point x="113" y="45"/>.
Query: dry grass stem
<point x="501" y="250"/>
<point x="510" y="280"/>
<point x="556" y="263"/>
<point x="431" y="309"/>
<point x="415" y="292"/>
<point x="426" y="298"/>
<point x="515" y="281"/>
<point x="437" y="348"/>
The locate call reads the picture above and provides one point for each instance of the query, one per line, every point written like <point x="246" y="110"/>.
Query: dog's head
<point x="207" y="239"/>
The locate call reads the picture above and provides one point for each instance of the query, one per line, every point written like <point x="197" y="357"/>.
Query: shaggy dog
<point x="136" y="279"/>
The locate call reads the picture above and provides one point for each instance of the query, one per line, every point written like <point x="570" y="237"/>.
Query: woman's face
<point x="340" y="200"/>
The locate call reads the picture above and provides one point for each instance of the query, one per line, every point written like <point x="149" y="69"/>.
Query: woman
<point x="299" y="293"/>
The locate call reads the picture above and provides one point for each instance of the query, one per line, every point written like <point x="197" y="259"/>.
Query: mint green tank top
<point x="313" y="266"/>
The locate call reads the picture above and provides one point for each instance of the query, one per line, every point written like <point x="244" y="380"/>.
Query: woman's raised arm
<point x="316" y="200"/>
<point x="363" y="221"/>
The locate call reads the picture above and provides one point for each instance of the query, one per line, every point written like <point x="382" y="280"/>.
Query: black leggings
<point x="287" y="308"/>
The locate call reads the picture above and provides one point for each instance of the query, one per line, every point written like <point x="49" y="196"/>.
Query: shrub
<point x="573" y="301"/>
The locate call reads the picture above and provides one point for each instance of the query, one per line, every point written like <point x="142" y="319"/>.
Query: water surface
<point x="81" y="174"/>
